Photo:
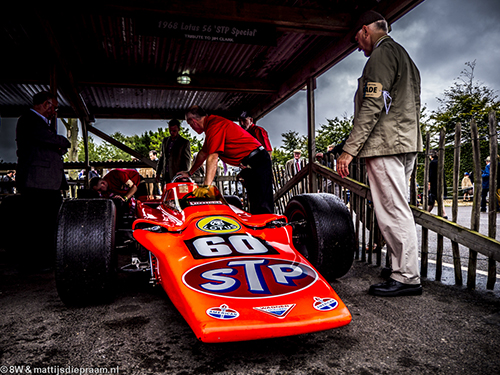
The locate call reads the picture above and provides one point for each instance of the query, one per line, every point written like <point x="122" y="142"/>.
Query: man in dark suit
<point x="40" y="176"/>
<point x="175" y="154"/>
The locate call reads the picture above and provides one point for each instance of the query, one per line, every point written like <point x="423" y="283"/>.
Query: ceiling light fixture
<point x="184" y="78"/>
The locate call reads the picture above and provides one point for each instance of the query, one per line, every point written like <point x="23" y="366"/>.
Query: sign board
<point x="209" y="30"/>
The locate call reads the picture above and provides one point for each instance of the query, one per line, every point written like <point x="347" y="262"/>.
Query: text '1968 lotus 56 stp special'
<point x="233" y="276"/>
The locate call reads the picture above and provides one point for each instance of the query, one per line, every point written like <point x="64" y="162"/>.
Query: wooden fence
<point x="354" y="191"/>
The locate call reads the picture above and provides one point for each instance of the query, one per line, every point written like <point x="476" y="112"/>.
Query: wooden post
<point x="311" y="133"/>
<point x="475" y="216"/>
<point x="425" y="232"/>
<point x="440" y="203"/>
<point x="53" y="91"/>
<point x="454" y="210"/>
<point x="85" y="135"/>
<point x="492" y="212"/>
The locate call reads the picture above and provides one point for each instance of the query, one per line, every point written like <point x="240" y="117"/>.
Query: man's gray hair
<point x="381" y="25"/>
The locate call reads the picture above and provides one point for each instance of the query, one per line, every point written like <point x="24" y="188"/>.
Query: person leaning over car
<point x="235" y="146"/>
<point x="119" y="183"/>
<point x="386" y="132"/>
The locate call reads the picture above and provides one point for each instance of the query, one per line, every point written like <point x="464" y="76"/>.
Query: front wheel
<point x="323" y="232"/>
<point x="85" y="251"/>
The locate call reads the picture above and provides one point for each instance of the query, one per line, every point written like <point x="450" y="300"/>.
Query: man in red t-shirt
<point x="246" y="122"/>
<point x="118" y="183"/>
<point x="235" y="146"/>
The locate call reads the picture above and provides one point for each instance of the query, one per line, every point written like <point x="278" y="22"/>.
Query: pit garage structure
<point x="153" y="59"/>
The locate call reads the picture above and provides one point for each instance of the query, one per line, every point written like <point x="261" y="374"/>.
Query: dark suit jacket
<point x="178" y="160"/>
<point x="39" y="154"/>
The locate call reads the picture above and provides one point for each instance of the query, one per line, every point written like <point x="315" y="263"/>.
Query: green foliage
<point x="466" y="162"/>
<point x="157" y="137"/>
<point x="280" y="156"/>
<point x="464" y="101"/>
<point x="333" y="133"/>
<point x="291" y="141"/>
<point x="140" y="143"/>
<point x="103" y="151"/>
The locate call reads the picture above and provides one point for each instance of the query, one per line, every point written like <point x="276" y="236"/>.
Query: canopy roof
<point x="123" y="58"/>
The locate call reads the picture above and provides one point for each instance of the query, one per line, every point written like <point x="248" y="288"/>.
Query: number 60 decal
<point x="228" y="245"/>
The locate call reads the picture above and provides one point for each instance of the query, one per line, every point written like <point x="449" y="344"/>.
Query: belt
<point x="247" y="158"/>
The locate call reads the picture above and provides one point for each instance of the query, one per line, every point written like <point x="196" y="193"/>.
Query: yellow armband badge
<point x="373" y="90"/>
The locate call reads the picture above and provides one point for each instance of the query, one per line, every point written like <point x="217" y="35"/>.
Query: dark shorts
<point x="431" y="200"/>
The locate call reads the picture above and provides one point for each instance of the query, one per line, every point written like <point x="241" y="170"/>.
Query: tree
<point x="292" y="141"/>
<point x="140" y="143"/>
<point x="157" y="138"/>
<point x="71" y="125"/>
<point x="465" y="100"/>
<point x="333" y="133"/>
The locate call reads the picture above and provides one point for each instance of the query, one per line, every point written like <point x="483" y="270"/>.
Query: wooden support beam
<point x="68" y="84"/>
<point x="311" y="133"/>
<point x="462" y="235"/>
<point x="121" y="146"/>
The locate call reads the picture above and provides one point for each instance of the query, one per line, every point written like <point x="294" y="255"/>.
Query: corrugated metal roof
<point x="105" y="60"/>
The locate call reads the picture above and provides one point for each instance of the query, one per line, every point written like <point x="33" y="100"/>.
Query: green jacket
<point x="387" y="104"/>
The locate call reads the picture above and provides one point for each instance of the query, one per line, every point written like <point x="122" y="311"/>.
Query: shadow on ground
<point x="447" y="330"/>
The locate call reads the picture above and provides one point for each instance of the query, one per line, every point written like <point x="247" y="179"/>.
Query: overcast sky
<point x="440" y="36"/>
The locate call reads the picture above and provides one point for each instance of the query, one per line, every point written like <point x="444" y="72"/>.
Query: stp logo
<point x="250" y="277"/>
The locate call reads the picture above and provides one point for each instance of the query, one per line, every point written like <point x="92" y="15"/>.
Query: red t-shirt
<point x="227" y="139"/>
<point x="261" y="135"/>
<point x="117" y="178"/>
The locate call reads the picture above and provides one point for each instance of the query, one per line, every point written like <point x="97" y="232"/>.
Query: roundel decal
<point x="245" y="277"/>
<point x="218" y="224"/>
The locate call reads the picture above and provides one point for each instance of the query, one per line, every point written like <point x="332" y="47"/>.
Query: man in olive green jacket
<point x="386" y="132"/>
<point x="175" y="154"/>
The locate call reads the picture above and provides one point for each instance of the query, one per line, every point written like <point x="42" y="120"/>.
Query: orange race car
<point x="233" y="276"/>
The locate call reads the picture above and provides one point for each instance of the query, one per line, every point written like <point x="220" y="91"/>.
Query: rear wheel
<point x="19" y="247"/>
<point x="323" y="232"/>
<point x="85" y="251"/>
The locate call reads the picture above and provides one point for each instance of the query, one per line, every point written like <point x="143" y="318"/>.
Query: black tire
<point x="85" y="251"/>
<point x="234" y="200"/>
<point x="12" y="228"/>
<point x="326" y="238"/>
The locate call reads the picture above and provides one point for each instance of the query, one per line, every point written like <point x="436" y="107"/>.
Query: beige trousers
<point x="388" y="177"/>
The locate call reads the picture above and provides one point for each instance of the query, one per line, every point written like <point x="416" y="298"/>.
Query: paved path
<point x="447" y="330"/>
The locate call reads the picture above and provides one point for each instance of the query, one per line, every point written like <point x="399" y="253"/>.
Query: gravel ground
<point x="447" y="330"/>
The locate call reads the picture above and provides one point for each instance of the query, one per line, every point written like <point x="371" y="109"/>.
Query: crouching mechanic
<point x="235" y="146"/>
<point x="122" y="184"/>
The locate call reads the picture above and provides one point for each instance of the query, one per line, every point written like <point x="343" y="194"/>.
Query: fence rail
<point x="356" y="193"/>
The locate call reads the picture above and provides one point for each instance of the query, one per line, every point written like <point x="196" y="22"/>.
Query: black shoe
<point x="393" y="288"/>
<point x="483" y="209"/>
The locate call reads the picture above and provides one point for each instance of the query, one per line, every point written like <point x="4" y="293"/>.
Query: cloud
<point x="440" y="36"/>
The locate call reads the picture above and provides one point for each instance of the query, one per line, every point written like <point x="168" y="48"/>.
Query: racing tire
<point x="326" y="236"/>
<point x="85" y="251"/>
<point x="234" y="201"/>
<point x="12" y="227"/>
